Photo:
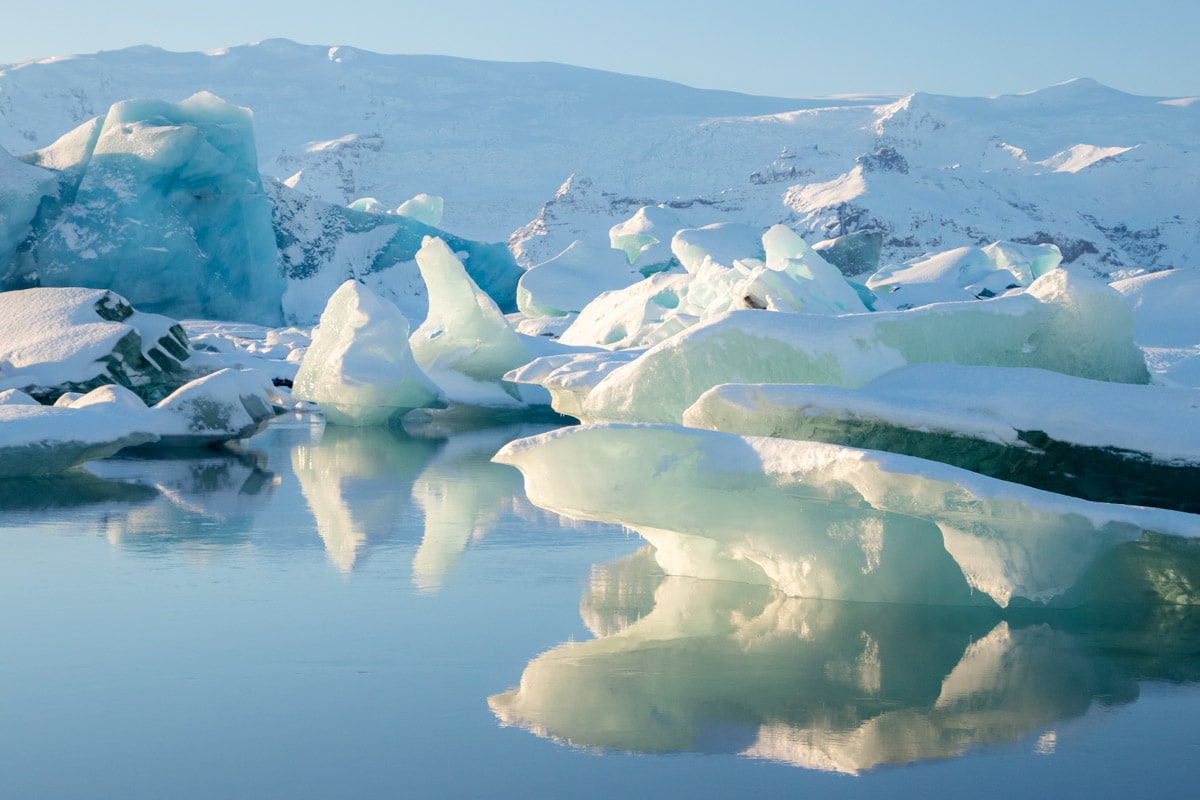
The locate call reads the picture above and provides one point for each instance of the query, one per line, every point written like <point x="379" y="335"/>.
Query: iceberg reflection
<point x="363" y="487"/>
<point x="353" y="482"/>
<point x="723" y="667"/>
<point x="204" y="495"/>
<point x="462" y="494"/>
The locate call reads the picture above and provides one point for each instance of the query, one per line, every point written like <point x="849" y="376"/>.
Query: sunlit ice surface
<point x="352" y="613"/>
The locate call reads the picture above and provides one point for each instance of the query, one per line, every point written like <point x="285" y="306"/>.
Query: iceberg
<point x="645" y="239"/>
<point x="42" y="440"/>
<point x="1116" y="442"/>
<point x="854" y="253"/>
<point x="163" y="203"/>
<point x="964" y="272"/>
<point x="359" y="367"/>
<point x="321" y="245"/>
<point x="1063" y="322"/>
<point x="571" y="377"/>
<point x="823" y="521"/>
<point x="569" y="281"/>
<point x="424" y="208"/>
<point x="227" y="405"/>
<point x="465" y="343"/>
<point x="73" y="340"/>
<point x="727" y="267"/>
<point x="23" y="189"/>
<point x="836" y="687"/>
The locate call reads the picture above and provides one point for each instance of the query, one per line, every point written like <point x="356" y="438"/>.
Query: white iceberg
<point x="727" y="267"/>
<point x="818" y="520"/>
<point x="572" y="279"/>
<point x="1118" y="442"/>
<point x="424" y="208"/>
<point x="465" y="345"/>
<point x="645" y="239"/>
<point x="227" y="405"/>
<point x="359" y="367"/>
<point x="964" y="272"/>
<point x="72" y="340"/>
<point x="40" y="440"/>
<point x="1063" y="322"/>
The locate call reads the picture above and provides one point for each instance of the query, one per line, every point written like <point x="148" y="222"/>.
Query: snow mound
<point x="73" y="340"/>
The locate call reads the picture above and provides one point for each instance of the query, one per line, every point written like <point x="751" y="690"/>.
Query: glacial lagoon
<point x="364" y="613"/>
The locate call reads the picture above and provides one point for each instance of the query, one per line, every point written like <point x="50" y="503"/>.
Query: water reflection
<point x="714" y="666"/>
<point x="354" y="482"/>
<point x="462" y="494"/>
<point x="204" y="495"/>
<point x="363" y="486"/>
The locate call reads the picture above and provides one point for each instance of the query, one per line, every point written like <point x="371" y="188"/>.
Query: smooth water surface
<point x="362" y="614"/>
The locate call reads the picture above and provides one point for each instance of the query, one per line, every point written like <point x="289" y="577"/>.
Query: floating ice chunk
<point x="571" y="280"/>
<point x="367" y="205"/>
<point x="62" y="340"/>
<point x="722" y="244"/>
<point x="22" y="189"/>
<point x="1165" y="322"/>
<point x="789" y="277"/>
<point x="570" y="377"/>
<point x="40" y="440"/>
<point x="277" y="352"/>
<point x="359" y="367"/>
<point x="1066" y="323"/>
<point x="818" y="520"/>
<point x="1164" y="308"/>
<point x="167" y="207"/>
<point x="815" y="285"/>
<point x="640" y="315"/>
<point x="226" y="405"/>
<point x="854" y="253"/>
<point x="1103" y="441"/>
<point x="465" y="344"/>
<point x="645" y="239"/>
<point x="425" y="208"/>
<point x="15" y="397"/>
<point x="966" y="271"/>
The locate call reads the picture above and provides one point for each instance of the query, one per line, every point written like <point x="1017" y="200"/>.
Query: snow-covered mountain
<point x="1112" y="178"/>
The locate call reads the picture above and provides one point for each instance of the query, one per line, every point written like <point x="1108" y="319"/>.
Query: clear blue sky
<point x="782" y="47"/>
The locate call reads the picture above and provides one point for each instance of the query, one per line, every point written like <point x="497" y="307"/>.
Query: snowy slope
<point x="1111" y="178"/>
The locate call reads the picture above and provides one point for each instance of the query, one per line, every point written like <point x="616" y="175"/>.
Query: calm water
<point x="350" y="614"/>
